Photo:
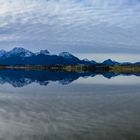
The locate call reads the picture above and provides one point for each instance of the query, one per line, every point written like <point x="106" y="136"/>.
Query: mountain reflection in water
<point x="20" y="78"/>
<point x="90" y="108"/>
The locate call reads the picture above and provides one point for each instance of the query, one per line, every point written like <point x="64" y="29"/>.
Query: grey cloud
<point x="65" y="24"/>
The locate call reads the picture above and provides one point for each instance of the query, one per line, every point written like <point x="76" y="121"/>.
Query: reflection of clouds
<point x="77" y="22"/>
<point x="117" y="80"/>
<point x="22" y="81"/>
<point x="67" y="112"/>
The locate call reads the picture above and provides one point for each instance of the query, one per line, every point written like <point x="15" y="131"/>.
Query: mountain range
<point x="21" y="56"/>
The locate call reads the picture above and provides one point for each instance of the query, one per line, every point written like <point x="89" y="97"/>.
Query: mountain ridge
<point x="21" y="56"/>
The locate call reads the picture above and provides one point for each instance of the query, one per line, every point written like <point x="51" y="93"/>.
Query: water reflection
<point x="88" y="109"/>
<point x="20" y="78"/>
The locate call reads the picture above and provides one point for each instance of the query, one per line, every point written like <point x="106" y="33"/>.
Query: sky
<point x="77" y="26"/>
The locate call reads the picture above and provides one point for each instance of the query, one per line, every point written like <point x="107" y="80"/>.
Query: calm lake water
<point x="37" y="105"/>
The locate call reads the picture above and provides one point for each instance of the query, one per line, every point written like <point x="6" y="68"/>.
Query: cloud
<point x="64" y="24"/>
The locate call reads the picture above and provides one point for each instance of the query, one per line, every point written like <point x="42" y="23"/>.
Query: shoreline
<point x="78" y="68"/>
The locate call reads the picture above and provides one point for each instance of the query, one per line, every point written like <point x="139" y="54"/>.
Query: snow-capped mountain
<point x="67" y="55"/>
<point x="19" y="52"/>
<point x="2" y="53"/>
<point x="21" y="56"/>
<point x="86" y="60"/>
<point x="93" y="62"/>
<point x="45" y="52"/>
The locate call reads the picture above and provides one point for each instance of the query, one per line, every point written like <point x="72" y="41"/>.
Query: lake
<point x="41" y="105"/>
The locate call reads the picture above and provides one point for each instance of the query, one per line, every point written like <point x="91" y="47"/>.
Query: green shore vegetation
<point x="79" y="68"/>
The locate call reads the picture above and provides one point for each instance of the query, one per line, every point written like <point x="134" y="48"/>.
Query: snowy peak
<point x="45" y="52"/>
<point x="67" y="55"/>
<point x="2" y="53"/>
<point x="19" y="52"/>
<point x="21" y="56"/>
<point x="86" y="60"/>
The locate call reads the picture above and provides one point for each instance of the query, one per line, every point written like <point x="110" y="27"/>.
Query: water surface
<point x="69" y="106"/>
